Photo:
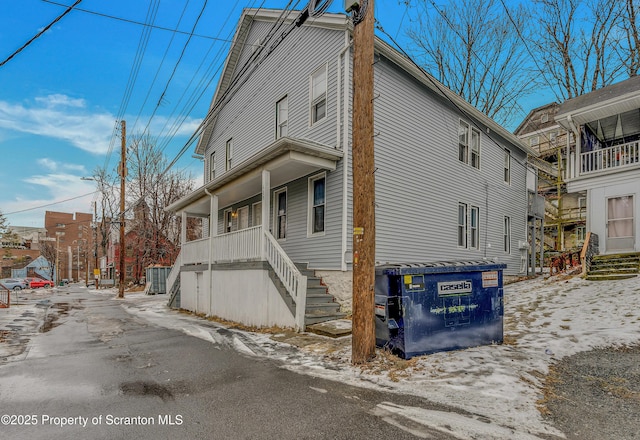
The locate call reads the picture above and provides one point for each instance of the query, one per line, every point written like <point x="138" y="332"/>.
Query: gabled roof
<point x="342" y="22"/>
<point x="608" y="101"/>
<point x="529" y="124"/>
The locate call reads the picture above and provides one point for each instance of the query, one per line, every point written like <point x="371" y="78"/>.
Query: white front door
<point x="620" y="224"/>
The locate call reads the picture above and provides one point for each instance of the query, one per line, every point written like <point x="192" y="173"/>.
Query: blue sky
<point x="61" y="96"/>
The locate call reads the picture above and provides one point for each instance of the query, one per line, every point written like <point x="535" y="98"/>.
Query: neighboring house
<point x="604" y="162"/>
<point x="450" y="182"/>
<point x="39" y="268"/>
<point x="565" y="213"/>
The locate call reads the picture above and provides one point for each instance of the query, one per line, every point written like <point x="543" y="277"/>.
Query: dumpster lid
<point x="437" y="267"/>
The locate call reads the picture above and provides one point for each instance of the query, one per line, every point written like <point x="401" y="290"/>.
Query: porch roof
<point x="608" y="101"/>
<point x="287" y="159"/>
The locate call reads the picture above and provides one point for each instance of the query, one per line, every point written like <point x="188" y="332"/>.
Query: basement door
<point x="620" y="224"/>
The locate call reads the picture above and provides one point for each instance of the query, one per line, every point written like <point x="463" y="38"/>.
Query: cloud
<point x="58" y="100"/>
<point x="53" y="165"/>
<point x="61" y="117"/>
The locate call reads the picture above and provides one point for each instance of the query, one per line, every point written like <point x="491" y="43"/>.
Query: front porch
<point x="238" y="270"/>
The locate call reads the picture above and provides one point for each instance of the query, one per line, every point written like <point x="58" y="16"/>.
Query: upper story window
<point x="468" y="145"/>
<point x="534" y="141"/>
<point x="319" y="95"/>
<point x="474" y="231"/>
<point x="282" y="117"/>
<point x="317" y="191"/>
<point x="212" y="166"/>
<point x="507" y="166"/>
<point x="544" y="118"/>
<point x="229" y="155"/>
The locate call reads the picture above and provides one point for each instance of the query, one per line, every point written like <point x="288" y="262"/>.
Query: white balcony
<point x="608" y="159"/>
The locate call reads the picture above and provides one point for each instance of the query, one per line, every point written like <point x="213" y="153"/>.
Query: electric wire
<point x="39" y="34"/>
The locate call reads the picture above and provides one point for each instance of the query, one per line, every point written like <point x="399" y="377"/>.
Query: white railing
<point x="248" y="245"/>
<point x="607" y="158"/>
<point x="242" y="245"/>
<point x="195" y="252"/>
<point x="175" y="271"/>
<point x="288" y="273"/>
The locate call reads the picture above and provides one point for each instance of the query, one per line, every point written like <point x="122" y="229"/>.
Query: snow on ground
<point x="496" y="388"/>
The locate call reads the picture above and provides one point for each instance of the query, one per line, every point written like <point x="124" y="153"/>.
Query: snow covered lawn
<point x="496" y="388"/>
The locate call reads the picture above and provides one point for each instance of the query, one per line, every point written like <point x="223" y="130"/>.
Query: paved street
<point x="89" y="369"/>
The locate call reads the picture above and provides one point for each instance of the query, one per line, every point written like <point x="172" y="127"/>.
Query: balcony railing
<point x="618" y="156"/>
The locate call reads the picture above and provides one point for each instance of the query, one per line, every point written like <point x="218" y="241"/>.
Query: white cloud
<point x="60" y="117"/>
<point x="59" y="100"/>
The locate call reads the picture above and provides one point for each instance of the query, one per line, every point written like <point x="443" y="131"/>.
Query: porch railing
<point x="589" y="249"/>
<point x="249" y="244"/>
<point x="607" y="158"/>
<point x="175" y="271"/>
<point x="242" y="245"/>
<point x="289" y="275"/>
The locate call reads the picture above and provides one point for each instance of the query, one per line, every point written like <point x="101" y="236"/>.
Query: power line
<point x="138" y="23"/>
<point x="45" y="29"/>
<point x="50" y="204"/>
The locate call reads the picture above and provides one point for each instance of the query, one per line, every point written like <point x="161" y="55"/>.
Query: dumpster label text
<point x="490" y="279"/>
<point x="454" y="288"/>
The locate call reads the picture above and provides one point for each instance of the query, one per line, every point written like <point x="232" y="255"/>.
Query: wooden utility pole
<point x="364" y="233"/>
<point x="123" y="175"/>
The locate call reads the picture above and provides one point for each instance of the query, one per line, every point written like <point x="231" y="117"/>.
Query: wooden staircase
<point x="614" y="267"/>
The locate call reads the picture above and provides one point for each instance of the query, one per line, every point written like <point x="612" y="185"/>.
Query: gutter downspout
<point x="344" y="143"/>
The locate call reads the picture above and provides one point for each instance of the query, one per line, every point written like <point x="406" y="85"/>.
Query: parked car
<point x="34" y="283"/>
<point x="13" y="283"/>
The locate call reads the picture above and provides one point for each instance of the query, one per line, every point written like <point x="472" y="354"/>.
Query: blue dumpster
<point x="422" y="308"/>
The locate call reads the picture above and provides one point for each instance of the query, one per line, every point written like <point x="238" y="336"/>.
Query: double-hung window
<point x="474" y="236"/>
<point x="506" y="232"/>
<point x="282" y="117"/>
<point x="212" y="166"/>
<point x="462" y="225"/>
<point x="229" y="155"/>
<point x="317" y="201"/>
<point x="507" y="166"/>
<point x="319" y="95"/>
<point x="468" y="145"/>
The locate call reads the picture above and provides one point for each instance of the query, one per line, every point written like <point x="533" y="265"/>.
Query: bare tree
<point x="474" y="48"/>
<point x="629" y="53"/>
<point x="150" y="190"/>
<point x="49" y="251"/>
<point x="109" y="206"/>
<point x="576" y="44"/>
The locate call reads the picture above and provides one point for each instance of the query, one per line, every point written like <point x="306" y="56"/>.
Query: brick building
<point x="74" y="241"/>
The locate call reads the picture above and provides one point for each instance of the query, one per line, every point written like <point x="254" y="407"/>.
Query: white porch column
<point x="213" y="216"/>
<point x="183" y="228"/>
<point x="266" y="208"/>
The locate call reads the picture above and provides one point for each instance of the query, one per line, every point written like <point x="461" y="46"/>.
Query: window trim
<point x="212" y="166"/>
<point x="276" y="214"/>
<point x="462" y="228"/>
<point x="474" y="232"/>
<point x="311" y="206"/>
<point x="506" y="235"/>
<point x="469" y="151"/>
<point x="228" y="155"/>
<point x="313" y="120"/>
<point x="256" y="221"/>
<point x="279" y="123"/>
<point x="507" y="167"/>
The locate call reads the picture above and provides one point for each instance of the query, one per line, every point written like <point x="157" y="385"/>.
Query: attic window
<point x="319" y="95"/>
<point x="544" y="118"/>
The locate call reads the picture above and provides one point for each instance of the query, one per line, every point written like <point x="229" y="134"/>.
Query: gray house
<point x="276" y="201"/>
